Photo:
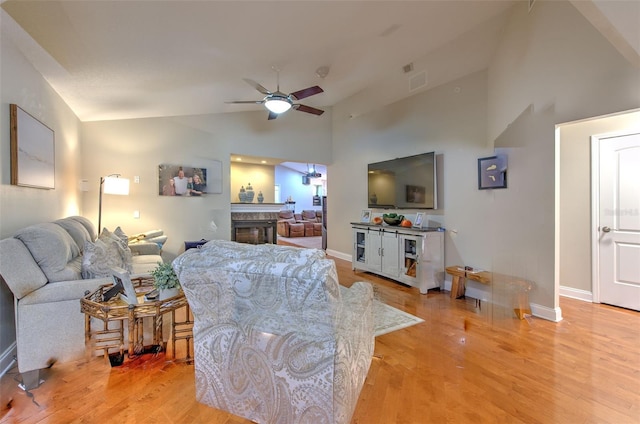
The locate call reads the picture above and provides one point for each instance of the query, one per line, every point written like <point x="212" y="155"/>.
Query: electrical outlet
<point x="136" y="179"/>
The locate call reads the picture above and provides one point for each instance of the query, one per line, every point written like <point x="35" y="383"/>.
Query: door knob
<point x="606" y="229"/>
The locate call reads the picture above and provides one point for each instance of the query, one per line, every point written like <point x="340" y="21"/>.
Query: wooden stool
<point x="459" y="275"/>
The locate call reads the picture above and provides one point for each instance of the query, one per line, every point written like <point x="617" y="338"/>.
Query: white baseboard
<point x="6" y="359"/>
<point x="339" y="255"/>
<point x="544" y="312"/>
<point x="584" y="295"/>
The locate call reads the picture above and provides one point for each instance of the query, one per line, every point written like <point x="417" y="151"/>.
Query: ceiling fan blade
<point x="256" y="102"/>
<point x="307" y="92"/>
<point x="272" y="115"/>
<point x="308" y="109"/>
<point x="257" y="86"/>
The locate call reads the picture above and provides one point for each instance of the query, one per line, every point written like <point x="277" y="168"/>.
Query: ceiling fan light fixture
<point x="277" y="105"/>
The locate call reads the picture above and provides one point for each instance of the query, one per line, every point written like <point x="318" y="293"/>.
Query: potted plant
<point x="165" y="280"/>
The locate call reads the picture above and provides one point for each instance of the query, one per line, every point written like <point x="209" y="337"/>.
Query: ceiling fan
<point x="278" y="102"/>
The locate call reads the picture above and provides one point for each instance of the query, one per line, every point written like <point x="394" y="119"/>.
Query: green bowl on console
<point x="392" y="221"/>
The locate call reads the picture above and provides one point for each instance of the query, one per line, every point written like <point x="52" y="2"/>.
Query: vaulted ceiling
<point x="131" y="59"/>
<point x="127" y="59"/>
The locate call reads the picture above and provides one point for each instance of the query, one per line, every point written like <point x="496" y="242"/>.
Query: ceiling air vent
<point x="418" y="81"/>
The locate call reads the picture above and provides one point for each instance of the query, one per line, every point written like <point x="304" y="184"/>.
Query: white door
<point x="617" y="271"/>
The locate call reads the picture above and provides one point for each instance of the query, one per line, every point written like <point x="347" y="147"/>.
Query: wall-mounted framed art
<point x="32" y="151"/>
<point x="189" y="181"/>
<point x="492" y="172"/>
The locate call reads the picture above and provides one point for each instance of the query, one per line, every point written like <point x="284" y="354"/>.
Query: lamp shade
<point x="115" y="185"/>
<point x="277" y="105"/>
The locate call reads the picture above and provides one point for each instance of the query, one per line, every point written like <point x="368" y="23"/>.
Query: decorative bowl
<point x="392" y="221"/>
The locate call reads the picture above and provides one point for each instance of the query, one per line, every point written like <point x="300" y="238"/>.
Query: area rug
<point x="387" y="318"/>
<point x="314" y="242"/>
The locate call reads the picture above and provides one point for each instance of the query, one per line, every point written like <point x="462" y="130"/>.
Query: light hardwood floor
<point x="462" y="365"/>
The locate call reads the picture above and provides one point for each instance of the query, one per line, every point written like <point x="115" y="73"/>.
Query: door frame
<point x="595" y="206"/>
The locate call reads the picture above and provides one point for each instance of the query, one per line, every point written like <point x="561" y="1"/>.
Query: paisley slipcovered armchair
<point x="276" y="340"/>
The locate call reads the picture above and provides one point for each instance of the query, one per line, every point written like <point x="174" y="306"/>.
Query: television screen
<point x="403" y="183"/>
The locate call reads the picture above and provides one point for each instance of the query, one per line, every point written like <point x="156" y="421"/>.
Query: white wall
<point x="21" y="84"/>
<point x="551" y="67"/>
<point x="261" y="178"/>
<point x="564" y="75"/>
<point x="291" y="185"/>
<point x="138" y="146"/>
<point x="450" y="120"/>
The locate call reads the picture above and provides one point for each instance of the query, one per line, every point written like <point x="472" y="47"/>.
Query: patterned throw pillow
<point x="99" y="258"/>
<point x="122" y="242"/>
<point x="118" y="232"/>
<point x="108" y="251"/>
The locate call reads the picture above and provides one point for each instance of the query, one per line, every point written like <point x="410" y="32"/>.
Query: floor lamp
<point x="111" y="184"/>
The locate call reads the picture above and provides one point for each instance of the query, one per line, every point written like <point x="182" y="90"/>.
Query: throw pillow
<point x="99" y="258"/>
<point x="122" y="242"/>
<point x="118" y="232"/>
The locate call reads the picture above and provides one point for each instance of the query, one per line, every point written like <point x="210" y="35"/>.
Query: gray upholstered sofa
<point x="43" y="265"/>
<point x="276" y="339"/>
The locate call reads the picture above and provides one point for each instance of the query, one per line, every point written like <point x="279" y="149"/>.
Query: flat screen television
<point x="404" y="183"/>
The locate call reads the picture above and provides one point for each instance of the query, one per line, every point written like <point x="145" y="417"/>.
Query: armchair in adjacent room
<point x="287" y="225"/>
<point x="312" y="223"/>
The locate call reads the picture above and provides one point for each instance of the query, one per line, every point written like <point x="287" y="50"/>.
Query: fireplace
<point x="254" y="227"/>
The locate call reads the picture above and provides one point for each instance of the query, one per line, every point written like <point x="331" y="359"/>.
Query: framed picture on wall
<point x="181" y="180"/>
<point x="32" y="151"/>
<point x="492" y="172"/>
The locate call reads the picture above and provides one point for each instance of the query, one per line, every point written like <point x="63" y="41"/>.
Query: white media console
<point x="408" y="255"/>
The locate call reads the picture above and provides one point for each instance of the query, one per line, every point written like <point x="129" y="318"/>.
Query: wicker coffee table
<point x="111" y="336"/>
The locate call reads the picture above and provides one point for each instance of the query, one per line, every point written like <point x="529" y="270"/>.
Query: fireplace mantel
<point x="254" y="222"/>
<point x="257" y="207"/>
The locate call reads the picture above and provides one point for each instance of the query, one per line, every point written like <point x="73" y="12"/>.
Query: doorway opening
<point x="300" y="187"/>
<point x="576" y="224"/>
